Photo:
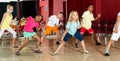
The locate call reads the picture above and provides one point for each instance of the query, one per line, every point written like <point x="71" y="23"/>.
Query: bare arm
<point x="3" y="18"/>
<point x="78" y="27"/>
<point x="99" y="15"/>
<point x="38" y="28"/>
<point x="117" y="24"/>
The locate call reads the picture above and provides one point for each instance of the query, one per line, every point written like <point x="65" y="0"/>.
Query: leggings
<point x="9" y="30"/>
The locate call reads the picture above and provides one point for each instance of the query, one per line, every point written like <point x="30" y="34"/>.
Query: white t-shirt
<point x="53" y="20"/>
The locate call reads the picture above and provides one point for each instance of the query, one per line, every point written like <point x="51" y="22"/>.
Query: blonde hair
<point x="70" y="16"/>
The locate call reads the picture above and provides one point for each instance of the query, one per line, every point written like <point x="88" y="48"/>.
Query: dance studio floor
<point x="67" y="53"/>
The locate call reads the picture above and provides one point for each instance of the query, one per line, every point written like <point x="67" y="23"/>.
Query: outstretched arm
<point x="99" y="15"/>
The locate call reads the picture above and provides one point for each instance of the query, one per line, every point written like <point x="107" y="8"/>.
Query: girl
<point x="115" y="35"/>
<point x="6" y="22"/>
<point x="29" y="32"/>
<point x="71" y="30"/>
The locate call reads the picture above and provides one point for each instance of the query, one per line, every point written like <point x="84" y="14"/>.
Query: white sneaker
<point x="85" y="52"/>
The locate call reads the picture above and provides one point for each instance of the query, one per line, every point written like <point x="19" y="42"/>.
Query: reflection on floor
<point x="67" y="53"/>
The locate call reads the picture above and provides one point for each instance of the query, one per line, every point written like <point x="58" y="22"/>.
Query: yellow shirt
<point x="6" y="22"/>
<point x="87" y="18"/>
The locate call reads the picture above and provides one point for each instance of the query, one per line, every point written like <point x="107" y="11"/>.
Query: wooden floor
<point x="67" y="53"/>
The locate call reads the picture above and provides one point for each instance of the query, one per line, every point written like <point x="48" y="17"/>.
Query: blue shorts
<point x="77" y="35"/>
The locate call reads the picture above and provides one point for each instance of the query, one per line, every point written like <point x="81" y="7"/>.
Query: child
<point x="71" y="31"/>
<point x="115" y="35"/>
<point x="52" y="25"/>
<point x="6" y="22"/>
<point x="86" y="22"/>
<point x="29" y="32"/>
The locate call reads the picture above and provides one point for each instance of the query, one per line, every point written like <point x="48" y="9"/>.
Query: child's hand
<point x="15" y="19"/>
<point x="78" y="27"/>
<point x="61" y="23"/>
<point x="99" y="15"/>
<point x="115" y="31"/>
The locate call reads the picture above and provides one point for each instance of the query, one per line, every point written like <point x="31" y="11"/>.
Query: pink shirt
<point x="30" y="24"/>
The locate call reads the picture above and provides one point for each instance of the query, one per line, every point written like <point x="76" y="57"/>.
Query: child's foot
<point x="85" y="52"/>
<point x="38" y="51"/>
<point x="17" y="53"/>
<point x="76" y="45"/>
<point x="57" y="43"/>
<point x="106" y="54"/>
<point x="98" y="44"/>
<point x="54" y="54"/>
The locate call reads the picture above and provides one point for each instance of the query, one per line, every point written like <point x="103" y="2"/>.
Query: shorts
<point x="115" y="36"/>
<point x="83" y="30"/>
<point x="50" y="29"/>
<point x="28" y="34"/>
<point x="77" y="35"/>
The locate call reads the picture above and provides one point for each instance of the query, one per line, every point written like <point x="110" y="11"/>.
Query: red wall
<point x="79" y="5"/>
<point x="50" y="7"/>
<point x="110" y="8"/>
<point x="43" y="5"/>
<point x="57" y="6"/>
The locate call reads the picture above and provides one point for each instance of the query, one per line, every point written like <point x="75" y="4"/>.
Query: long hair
<point x="70" y="16"/>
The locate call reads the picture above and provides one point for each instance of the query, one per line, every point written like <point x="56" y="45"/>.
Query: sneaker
<point x="106" y="54"/>
<point x="38" y="51"/>
<point x="85" y="52"/>
<point x="17" y="53"/>
<point x="54" y="54"/>
<point x="98" y="44"/>
<point x="57" y="43"/>
<point x="76" y="45"/>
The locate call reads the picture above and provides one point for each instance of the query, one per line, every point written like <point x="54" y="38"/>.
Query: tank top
<point x="6" y="22"/>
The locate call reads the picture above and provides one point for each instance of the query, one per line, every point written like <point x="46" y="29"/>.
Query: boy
<point x="86" y="22"/>
<point x="52" y="25"/>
